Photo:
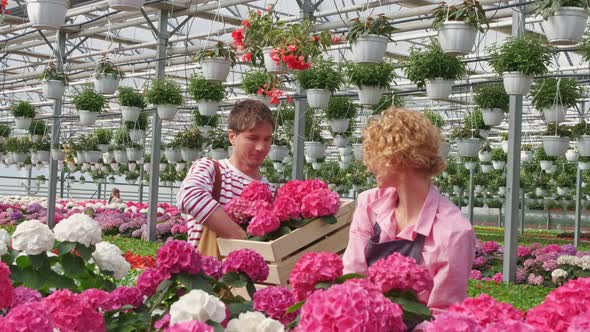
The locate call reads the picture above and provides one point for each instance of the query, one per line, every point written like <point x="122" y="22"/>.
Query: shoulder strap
<point x="217" y="181"/>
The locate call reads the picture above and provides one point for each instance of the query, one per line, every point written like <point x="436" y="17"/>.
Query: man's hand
<point x="220" y="223"/>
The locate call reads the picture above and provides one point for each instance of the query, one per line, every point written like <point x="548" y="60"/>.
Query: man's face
<point x="252" y="146"/>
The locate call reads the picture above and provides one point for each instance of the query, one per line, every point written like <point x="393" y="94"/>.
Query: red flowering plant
<point x="262" y="83"/>
<point x="3" y="7"/>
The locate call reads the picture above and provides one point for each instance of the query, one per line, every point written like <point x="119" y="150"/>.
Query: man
<point x="251" y="125"/>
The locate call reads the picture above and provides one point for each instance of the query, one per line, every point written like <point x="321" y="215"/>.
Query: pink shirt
<point x="449" y="244"/>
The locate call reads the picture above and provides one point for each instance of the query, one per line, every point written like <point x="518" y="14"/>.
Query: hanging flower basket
<point x="88" y="118"/>
<point x="546" y="164"/>
<point x="53" y="89"/>
<point x="318" y="98"/>
<point x="134" y="154"/>
<point x="562" y="191"/>
<point x="126" y="5"/>
<point x="484" y="156"/>
<point x="106" y="84"/>
<point x="47" y="14"/>
<point x="566" y="26"/>
<point x="167" y="111"/>
<point x="584" y="165"/>
<point x="505" y="146"/>
<point x="526" y="156"/>
<point x="555" y="146"/>
<point x="369" y="49"/>
<point x="130" y="113"/>
<point x="470" y="165"/>
<point x="57" y="154"/>
<point x="438" y="88"/>
<point x="493" y="117"/>
<point x="92" y="156"/>
<point x="218" y="154"/>
<point x="498" y="164"/>
<point x="315" y="149"/>
<point x="555" y="114"/>
<point x="516" y="83"/>
<point x="340" y="141"/>
<point x="456" y="37"/>
<point x="584" y="145"/>
<point x="370" y="95"/>
<point x="572" y="155"/>
<point x="121" y="157"/>
<point x="270" y="65"/>
<point x="444" y="149"/>
<point x="468" y="147"/>
<point x="278" y="152"/>
<point x="216" y="69"/>
<point x="190" y="155"/>
<point x="173" y="155"/>
<point x="23" y="122"/>
<point x="136" y="135"/>
<point x="207" y="107"/>
<point x="339" y="125"/>
<point x="486" y="168"/>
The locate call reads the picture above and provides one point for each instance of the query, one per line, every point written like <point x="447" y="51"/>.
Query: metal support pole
<point x="522" y="213"/>
<point x="513" y="176"/>
<point x="99" y="190"/>
<point x="61" y="184"/>
<point x="157" y="129"/>
<point x="55" y="130"/>
<point x="548" y="226"/>
<point x="578" y="219"/>
<point x="500" y="216"/>
<point x="471" y="198"/>
<point x="141" y="171"/>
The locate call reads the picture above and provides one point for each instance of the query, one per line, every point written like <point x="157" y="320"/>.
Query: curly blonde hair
<point x="403" y="139"/>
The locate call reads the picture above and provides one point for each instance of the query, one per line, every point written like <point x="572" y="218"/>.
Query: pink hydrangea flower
<point x="71" y="314"/>
<point x="312" y="268"/>
<point x="398" y="272"/>
<point x="322" y="202"/>
<point x="123" y="296"/>
<point x="486" y="310"/>
<point x="263" y="222"/>
<point x="190" y="326"/>
<point x="523" y="251"/>
<point x="150" y="279"/>
<point x="237" y="209"/>
<point x="479" y="261"/>
<point x="247" y="261"/>
<point x="453" y="322"/>
<point x="285" y="208"/>
<point x="475" y="274"/>
<point x="6" y="289"/>
<point x="510" y="325"/>
<point x="490" y="247"/>
<point x="291" y="189"/>
<point x="550" y="265"/>
<point x="23" y="294"/>
<point x="178" y="256"/>
<point x="163" y="322"/>
<point x="257" y="190"/>
<point x="274" y="302"/>
<point x="498" y="277"/>
<point x="580" y="323"/>
<point x="254" y="207"/>
<point x="211" y="266"/>
<point x="28" y="317"/>
<point x="552" y="248"/>
<point x="350" y="307"/>
<point x="96" y="298"/>
<point x="309" y="186"/>
<point x="536" y="280"/>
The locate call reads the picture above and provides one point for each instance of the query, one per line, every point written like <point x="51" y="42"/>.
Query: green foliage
<point x="106" y="66"/>
<point x="129" y="97"/>
<point x="121" y="137"/>
<point x="255" y="79"/>
<point x="89" y="100"/>
<point x="205" y="120"/>
<point x="491" y="96"/>
<point x="4" y="130"/>
<point x="23" y="109"/>
<point x="469" y="11"/>
<point x="218" y="139"/>
<point x="558" y="130"/>
<point x="580" y="129"/>
<point x="498" y="154"/>
<point x="435" y="118"/>
<point x="38" y="127"/>
<point x="525" y="55"/>
<point x="548" y="8"/>
<point x="548" y="92"/>
<point x="189" y="138"/>
<point x="340" y="108"/>
<point x="164" y="91"/>
<point x="584" y="46"/>
<point x="541" y="155"/>
<point x="18" y="144"/>
<point x="565" y="180"/>
<point x="386" y="102"/>
<point x="321" y="75"/>
<point x="50" y="73"/>
<point x="285" y="114"/>
<point x="523" y="297"/>
<point x="365" y="74"/>
<point x="42" y="145"/>
<point x="379" y="25"/>
<point x="103" y="135"/>
<point x="431" y="62"/>
<point x="263" y="31"/>
<point x="220" y="50"/>
<point x="142" y="122"/>
<point x="201" y="89"/>
<point x="474" y="120"/>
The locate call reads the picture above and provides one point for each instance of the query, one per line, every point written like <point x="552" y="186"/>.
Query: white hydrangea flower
<point x="3" y="248"/>
<point x="254" y="322"/>
<point x="4" y="237"/>
<point x="79" y="228"/>
<point x="584" y="262"/>
<point x="558" y="273"/>
<point x="144" y="210"/>
<point x="70" y="205"/>
<point x="197" y="305"/>
<point x="161" y="210"/>
<point x="109" y="257"/>
<point x="32" y="237"/>
<point x="567" y="260"/>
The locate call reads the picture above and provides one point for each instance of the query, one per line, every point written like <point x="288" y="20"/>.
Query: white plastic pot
<point x="315" y="149"/>
<point x="318" y="98"/>
<point x="456" y="37"/>
<point x="126" y="5"/>
<point x="147" y="167"/>
<point x="584" y="145"/>
<point x="555" y="114"/>
<point x="438" y="88"/>
<point x="470" y="165"/>
<point x="357" y="150"/>
<point x="167" y="111"/>
<point x="134" y="154"/>
<point x="340" y="141"/>
<point x="88" y="118"/>
<point x="486" y="168"/>
<point x="18" y="157"/>
<point x="43" y="156"/>
<point x="270" y="65"/>
<point x="339" y="125"/>
<point x="104" y="148"/>
<point x="92" y="156"/>
<point x="278" y="152"/>
<point x="136" y="135"/>
<point x="444" y="149"/>
<point x="369" y="49"/>
<point x="584" y="166"/>
<point x="58" y="154"/>
<point x="539" y="192"/>
<point x="505" y="146"/>
<point x="47" y="14"/>
<point x="546" y="164"/>
<point x="555" y="146"/>
<point x="370" y="95"/>
<point x="173" y="155"/>
<point x="566" y="26"/>
<point x="218" y="154"/>
<point x="23" y="123"/>
<point x="516" y="83"/>
<point x="562" y="191"/>
<point x="207" y="107"/>
<point x="163" y="167"/>
<point x="121" y="156"/>
<point x="502" y="191"/>
<point x="468" y="147"/>
<point x="130" y="113"/>
<point x="498" y="164"/>
<point x="216" y="69"/>
<point x="484" y="156"/>
<point x="345" y="151"/>
<point x="492" y="117"/>
<point x="526" y="156"/>
<point x="53" y="89"/>
<point x="106" y="84"/>
<point x="572" y="155"/>
<point x="190" y="155"/>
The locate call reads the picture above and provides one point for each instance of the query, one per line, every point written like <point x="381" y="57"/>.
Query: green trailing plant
<point x="526" y="147"/>
<point x="548" y="92"/>
<point x="164" y="91"/>
<point x="255" y="79"/>
<point x="50" y="73"/>
<point x="42" y="145"/>
<point x="132" y="176"/>
<point x="23" y="109"/>
<point x="528" y="56"/>
<point x="106" y="67"/>
<point x="431" y="62"/>
<point x="469" y="11"/>
<point x="340" y="108"/>
<point x="87" y="143"/>
<point x="386" y="102"/>
<point x="89" y="100"/>
<point x="297" y="45"/>
<point x="103" y="135"/>
<point x="322" y="75"/>
<point x="189" y="138"/>
<point x="142" y="122"/>
<point x="490" y="96"/>
<point x="129" y="97"/>
<point x="480" y="179"/>
<point x="202" y="89"/>
<point x="285" y="114"/>
<point x="474" y="121"/>
<point x="365" y="74"/>
<point x="565" y="180"/>
<point x="460" y="133"/>
<point x="541" y="155"/>
<point x="499" y="155"/>
<point x="435" y="118"/>
<point x="548" y="8"/>
<point x="205" y="120"/>
<point x="584" y="46"/>
<point x="18" y="145"/>
<point x="558" y="130"/>
<point x="580" y="129"/>
<point x="4" y="130"/>
<point x="218" y="139"/>
<point x="378" y="25"/>
<point x="220" y="50"/>
<point x="121" y="138"/>
<point x="38" y="127"/>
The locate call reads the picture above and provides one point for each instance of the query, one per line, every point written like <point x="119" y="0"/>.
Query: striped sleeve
<point x="195" y="195"/>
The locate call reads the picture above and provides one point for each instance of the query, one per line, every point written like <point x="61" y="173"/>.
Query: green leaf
<point x="195" y="282"/>
<point x="65" y="247"/>
<point x="294" y="323"/>
<point x="84" y="251"/>
<point x="322" y="285"/>
<point x="72" y="265"/>
<point x="345" y="277"/>
<point x="39" y="261"/>
<point x="251" y="289"/>
<point x="55" y="280"/>
<point x="234" y="279"/>
<point x="216" y="326"/>
<point x="28" y="277"/>
<point x="23" y="261"/>
<point x="295" y="307"/>
<point x="237" y="308"/>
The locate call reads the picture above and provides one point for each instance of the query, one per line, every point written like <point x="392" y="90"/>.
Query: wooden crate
<point x="282" y="254"/>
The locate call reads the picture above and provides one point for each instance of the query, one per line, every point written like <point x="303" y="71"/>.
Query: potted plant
<point x="386" y="102"/>
<point x="103" y="137"/>
<point x="468" y="142"/>
<point x="319" y="82"/>
<point x="120" y="141"/>
<point x="205" y="123"/>
<point x="371" y="79"/>
<point x="106" y="76"/>
<point x="41" y="150"/>
<point x="134" y="152"/>
<point x="457" y="25"/>
<point x="314" y="143"/>
<point x="553" y="96"/>
<point x="38" y="129"/>
<point x="499" y="158"/>
<point x="260" y="85"/>
<point x="218" y="142"/>
<point x="131" y="102"/>
<point x="474" y="121"/>
<point x="58" y="152"/>
<point x="216" y="62"/>
<point x="207" y="94"/>
<point x="126" y="5"/>
<point x="584" y="163"/>
<point x="556" y="139"/>
<point x="53" y="82"/>
<point x="19" y="148"/>
<point x="433" y="68"/>
<point x="23" y="112"/>
<point x="485" y="154"/>
<point x="89" y="104"/>
<point x="526" y="153"/>
<point x="545" y="161"/>
<point x="518" y="60"/>
<point x="581" y="132"/>
<point x="368" y="39"/>
<point x="564" y="21"/>
<point x="47" y="14"/>
<point x="572" y="155"/>
<point x="41" y="179"/>
<point x="166" y="95"/>
<point x="564" y="183"/>
<point x="191" y="142"/>
<point x="138" y="128"/>
<point x="339" y="112"/>
<point x="493" y="102"/>
<point x="479" y="181"/>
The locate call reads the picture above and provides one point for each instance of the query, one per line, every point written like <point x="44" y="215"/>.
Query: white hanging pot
<point x="179" y="167"/>
<point x="357" y="150"/>
<point x="555" y="114"/>
<point x="205" y="130"/>
<point x="555" y="146"/>
<point x="147" y="167"/>
<point x="484" y="156"/>
<point x="315" y="165"/>
<point x="215" y="69"/>
<point x="343" y="164"/>
<point x="92" y="156"/>
<point x="104" y="148"/>
<point x="278" y="152"/>
<point x="492" y="117"/>
<point x="270" y="65"/>
<point x="23" y="123"/>
<point x="470" y="165"/>
<point x="572" y="155"/>
<point x="167" y="111"/>
<point x="478" y="188"/>
<point x="486" y="168"/>
<point x="18" y="157"/>
<point x="163" y="167"/>
<point x="584" y="165"/>
<point x="121" y="156"/>
<point x="526" y="156"/>
<point x="43" y="156"/>
<point x="546" y="164"/>
<point x="134" y="154"/>
<point x="261" y="98"/>
<point x="315" y="149"/>
<point x="207" y="107"/>
<point x="130" y="113"/>
<point x="173" y="155"/>
<point x="47" y="14"/>
<point x="505" y="145"/>
<point x="218" y="154"/>
<point x="584" y="145"/>
<point x="445" y="148"/>
<point x="58" y="154"/>
<point x="457" y="190"/>
<point x="370" y="95"/>
<point x="339" y="125"/>
<point x="468" y="147"/>
<point x="456" y="37"/>
<point x="539" y="191"/>
<point x="106" y="84"/>
<point x="340" y="141"/>
<point x="190" y="155"/>
<point x="126" y="5"/>
<point x="562" y="191"/>
<point x="502" y="191"/>
<point x="438" y="88"/>
<point x="53" y="89"/>
<point x="516" y="83"/>
<point x="345" y="151"/>
<point x="88" y="118"/>
<point x="498" y="164"/>
<point x="131" y="181"/>
<point x="566" y="26"/>
<point x="136" y="135"/>
<point x="369" y="49"/>
<point x="318" y="98"/>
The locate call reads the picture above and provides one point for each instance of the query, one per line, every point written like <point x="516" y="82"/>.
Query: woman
<point x="115" y="196"/>
<point x="406" y="213"/>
